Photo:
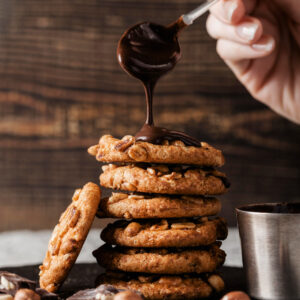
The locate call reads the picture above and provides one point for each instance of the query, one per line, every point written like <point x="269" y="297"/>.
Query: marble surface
<point x="19" y="248"/>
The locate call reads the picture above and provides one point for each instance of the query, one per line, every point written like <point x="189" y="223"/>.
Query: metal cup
<point x="270" y="239"/>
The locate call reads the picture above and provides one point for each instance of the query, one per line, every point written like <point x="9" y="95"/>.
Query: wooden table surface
<point x="83" y="276"/>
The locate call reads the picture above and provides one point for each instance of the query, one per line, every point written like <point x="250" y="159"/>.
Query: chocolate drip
<point x="147" y="51"/>
<point x="156" y="135"/>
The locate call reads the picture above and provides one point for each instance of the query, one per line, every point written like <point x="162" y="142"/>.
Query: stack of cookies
<point x="166" y="247"/>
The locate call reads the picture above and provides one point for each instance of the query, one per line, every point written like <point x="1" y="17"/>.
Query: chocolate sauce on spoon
<point x="147" y="51"/>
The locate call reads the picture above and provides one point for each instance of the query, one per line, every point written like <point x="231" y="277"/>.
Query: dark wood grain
<point x="61" y="88"/>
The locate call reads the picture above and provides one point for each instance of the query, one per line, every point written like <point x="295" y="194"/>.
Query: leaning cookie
<point x="143" y="206"/>
<point x="161" y="287"/>
<point x="164" y="179"/>
<point x="127" y="149"/>
<point x="68" y="237"/>
<point x="162" y="260"/>
<point x="165" y="233"/>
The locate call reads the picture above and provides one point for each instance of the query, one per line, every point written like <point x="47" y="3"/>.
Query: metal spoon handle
<point x="190" y="17"/>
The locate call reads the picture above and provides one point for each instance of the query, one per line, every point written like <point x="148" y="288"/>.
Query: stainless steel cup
<point x="270" y="239"/>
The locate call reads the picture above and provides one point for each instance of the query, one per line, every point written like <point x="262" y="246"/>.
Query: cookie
<point x="163" y="287"/>
<point x="127" y="150"/>
<point x="162" y="260"/>
<point x="103" y="292"/>
<point x="165" y="233"/>
<point x="68" y="237"/>
<point x="164" y="179"/>
<point x="143" y="206"/>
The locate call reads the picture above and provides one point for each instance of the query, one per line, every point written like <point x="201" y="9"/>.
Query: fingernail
<point x="247" y="30"/>
<point x="264" y="44"/>
<point x="230" y="8"/>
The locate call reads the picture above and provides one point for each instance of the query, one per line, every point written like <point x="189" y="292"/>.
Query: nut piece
<point x="178" y="143"/>
<point x="138" y="153"/>
<point x="236" y="295"/>
<point x="175" y="280"/>
<point x="173" y="175"/>
<point x="133" y="229"/>
<point x="127" y="295"/>
<point x="116" y="197"/>
<point x="109" y="167"/>
<point x="7" y="285"/>
<point x="151" y="171"/>
<point x="145" y="279"/>
<point x="136" y="197"/>
<point x="125" y="143"/>
<point x="76" y="195"/>
<point x="163" y="225"/>
<point x="216" y="282"/>
<point x="26" y="294"/>
<point x="187" y="225"/>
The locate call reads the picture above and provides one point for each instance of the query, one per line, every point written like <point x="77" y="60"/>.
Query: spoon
<point x="147" y="51"/>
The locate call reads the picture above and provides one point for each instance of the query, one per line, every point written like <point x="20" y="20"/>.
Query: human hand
<point x="260" y="41"/>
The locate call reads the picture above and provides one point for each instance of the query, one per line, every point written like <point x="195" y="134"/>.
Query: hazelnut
<point x="216" y="282"/>
<point x="127" y="295"/>
<point x="26" y="294"/>
<point x="236" y="295"/>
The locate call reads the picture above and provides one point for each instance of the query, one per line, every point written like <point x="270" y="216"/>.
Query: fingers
<point x="233" y="51"/>
<point x="248" y="31"/>
<point x="232" y="11"/>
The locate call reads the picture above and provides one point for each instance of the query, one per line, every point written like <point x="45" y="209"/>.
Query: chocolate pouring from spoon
<point x="147" y="51"/>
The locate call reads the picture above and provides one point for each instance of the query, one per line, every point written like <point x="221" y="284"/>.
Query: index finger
<point x="232" y="11"/>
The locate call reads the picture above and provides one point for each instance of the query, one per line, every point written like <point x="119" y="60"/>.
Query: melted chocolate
<point x="147" y="51"/>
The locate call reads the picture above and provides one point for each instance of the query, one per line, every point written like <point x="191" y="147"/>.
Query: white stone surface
<point x="19" y="248"/>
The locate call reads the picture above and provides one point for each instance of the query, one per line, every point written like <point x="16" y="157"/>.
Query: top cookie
<point x="127" y="150"/>
<point x="68" y="237"/>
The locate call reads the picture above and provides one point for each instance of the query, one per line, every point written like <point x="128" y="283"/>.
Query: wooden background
<point x="61" y="88"/>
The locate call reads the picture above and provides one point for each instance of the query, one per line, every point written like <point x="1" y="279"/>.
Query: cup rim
<point x="247" y="208"/>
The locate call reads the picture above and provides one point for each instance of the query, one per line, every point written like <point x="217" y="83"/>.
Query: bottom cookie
<point x="162" y="287"/>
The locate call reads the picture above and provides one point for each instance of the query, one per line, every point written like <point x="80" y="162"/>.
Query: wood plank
<point x="61" y="88"/>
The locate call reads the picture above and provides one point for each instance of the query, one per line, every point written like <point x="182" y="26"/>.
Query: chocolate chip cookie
<point x="165" y="233"/>
<point x="68" y="237"/>
<point x="127" y="150"/>
<point x="164" y="179"/>
<point x="144" y="206"/>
